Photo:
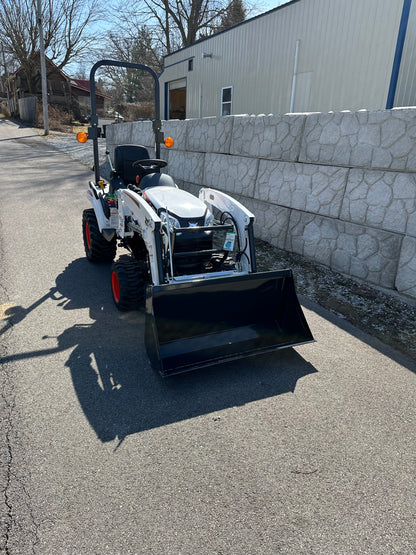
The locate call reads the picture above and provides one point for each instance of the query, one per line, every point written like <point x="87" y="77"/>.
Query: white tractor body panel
<point x="179" y="202"/>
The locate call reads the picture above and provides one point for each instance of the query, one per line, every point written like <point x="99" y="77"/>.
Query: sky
<point x="266" y="5"/>
<point x="257" y="8"/>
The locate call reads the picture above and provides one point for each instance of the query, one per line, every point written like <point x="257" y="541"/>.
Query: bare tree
<point x="65" y="24"/>
<point x="135" y="44"/>
<point x="174" y="23"/>
<point x="67" y="35"/>
<point x="131" y="43"/>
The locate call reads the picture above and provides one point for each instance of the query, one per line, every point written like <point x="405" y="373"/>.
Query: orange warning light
<point x="82" y="137"/>
<point x="169" y="142"/>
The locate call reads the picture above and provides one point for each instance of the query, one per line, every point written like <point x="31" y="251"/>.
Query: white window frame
<point x="228" y="102"/>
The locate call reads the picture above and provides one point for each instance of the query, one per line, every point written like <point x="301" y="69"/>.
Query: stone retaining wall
<point x="339" y="188"/>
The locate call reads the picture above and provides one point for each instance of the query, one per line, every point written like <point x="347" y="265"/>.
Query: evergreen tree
<point x="234" y="14"/>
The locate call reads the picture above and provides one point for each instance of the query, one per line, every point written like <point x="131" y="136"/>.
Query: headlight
<point x="173" y="222"/>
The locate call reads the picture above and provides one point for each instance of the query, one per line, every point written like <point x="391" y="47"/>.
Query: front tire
<point x="128" y="285"/>
<point x="97" y="248"/>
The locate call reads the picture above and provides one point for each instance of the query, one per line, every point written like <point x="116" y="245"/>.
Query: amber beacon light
<point x="169" y="142"/>
<point x="82" y="137"/>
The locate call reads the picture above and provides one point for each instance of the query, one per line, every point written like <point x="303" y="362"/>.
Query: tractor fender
<point x="103" y="222"/>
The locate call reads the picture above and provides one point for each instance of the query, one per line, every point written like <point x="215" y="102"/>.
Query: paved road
<point x="308" y="450"/>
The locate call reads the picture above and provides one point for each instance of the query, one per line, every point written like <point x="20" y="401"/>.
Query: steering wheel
<point x="149" y="164"/>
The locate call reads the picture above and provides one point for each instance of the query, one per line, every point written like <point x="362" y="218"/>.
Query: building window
<point x="226" y="101"/>
<point x="191" y="64"/>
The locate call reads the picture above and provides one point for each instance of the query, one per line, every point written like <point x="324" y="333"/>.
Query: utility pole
<point x="43" y="70"/>
<point x="6" y="73"/>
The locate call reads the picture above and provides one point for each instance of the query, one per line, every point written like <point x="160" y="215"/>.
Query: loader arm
<point x="243" y="220"/>
<point x="137" y="216"/>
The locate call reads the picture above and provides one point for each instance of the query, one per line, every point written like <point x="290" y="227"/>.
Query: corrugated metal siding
<point x="406" y="84"/>
<point x="349" y="47"/>
<point x="346" y="48"/>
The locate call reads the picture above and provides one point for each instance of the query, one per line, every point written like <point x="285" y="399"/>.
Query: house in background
<point x="73" y="95"/>
<point x="80" y="98"/>
<point x="303" y="56"/>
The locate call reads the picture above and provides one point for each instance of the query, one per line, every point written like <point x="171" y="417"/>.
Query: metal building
<point x="304" y="56"/>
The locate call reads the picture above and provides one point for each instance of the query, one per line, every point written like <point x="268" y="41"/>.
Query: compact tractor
<point x="191" y="260"/>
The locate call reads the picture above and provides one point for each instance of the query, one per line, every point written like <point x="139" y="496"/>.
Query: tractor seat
<point x="124" y="156"/>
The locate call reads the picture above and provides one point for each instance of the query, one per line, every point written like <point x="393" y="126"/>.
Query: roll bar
<point x="94" y="131"/>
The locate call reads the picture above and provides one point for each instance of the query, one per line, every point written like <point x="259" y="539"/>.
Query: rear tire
<point x="97" y="248"/>
<point x="128" y="285"/>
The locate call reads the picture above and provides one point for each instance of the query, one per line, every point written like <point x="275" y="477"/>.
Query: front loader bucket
<point x="195" y="324"/>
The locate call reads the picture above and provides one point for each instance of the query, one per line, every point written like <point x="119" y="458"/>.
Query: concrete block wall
<point x="339" y="188"/>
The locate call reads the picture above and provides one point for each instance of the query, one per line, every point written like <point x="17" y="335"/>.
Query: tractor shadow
<point x="118" y="390"/>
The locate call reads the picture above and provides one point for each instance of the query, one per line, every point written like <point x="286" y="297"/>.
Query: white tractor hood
<point x="177" y="201"/>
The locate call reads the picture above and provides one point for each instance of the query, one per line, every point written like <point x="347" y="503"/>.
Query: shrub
<point x="131" y="111"/>
<point x="4" y="109"/>
<point x="142" y="110"/>
<point x="59" y="118"/>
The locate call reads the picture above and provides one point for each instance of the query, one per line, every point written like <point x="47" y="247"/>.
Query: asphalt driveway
<point x="307" y="450"/>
